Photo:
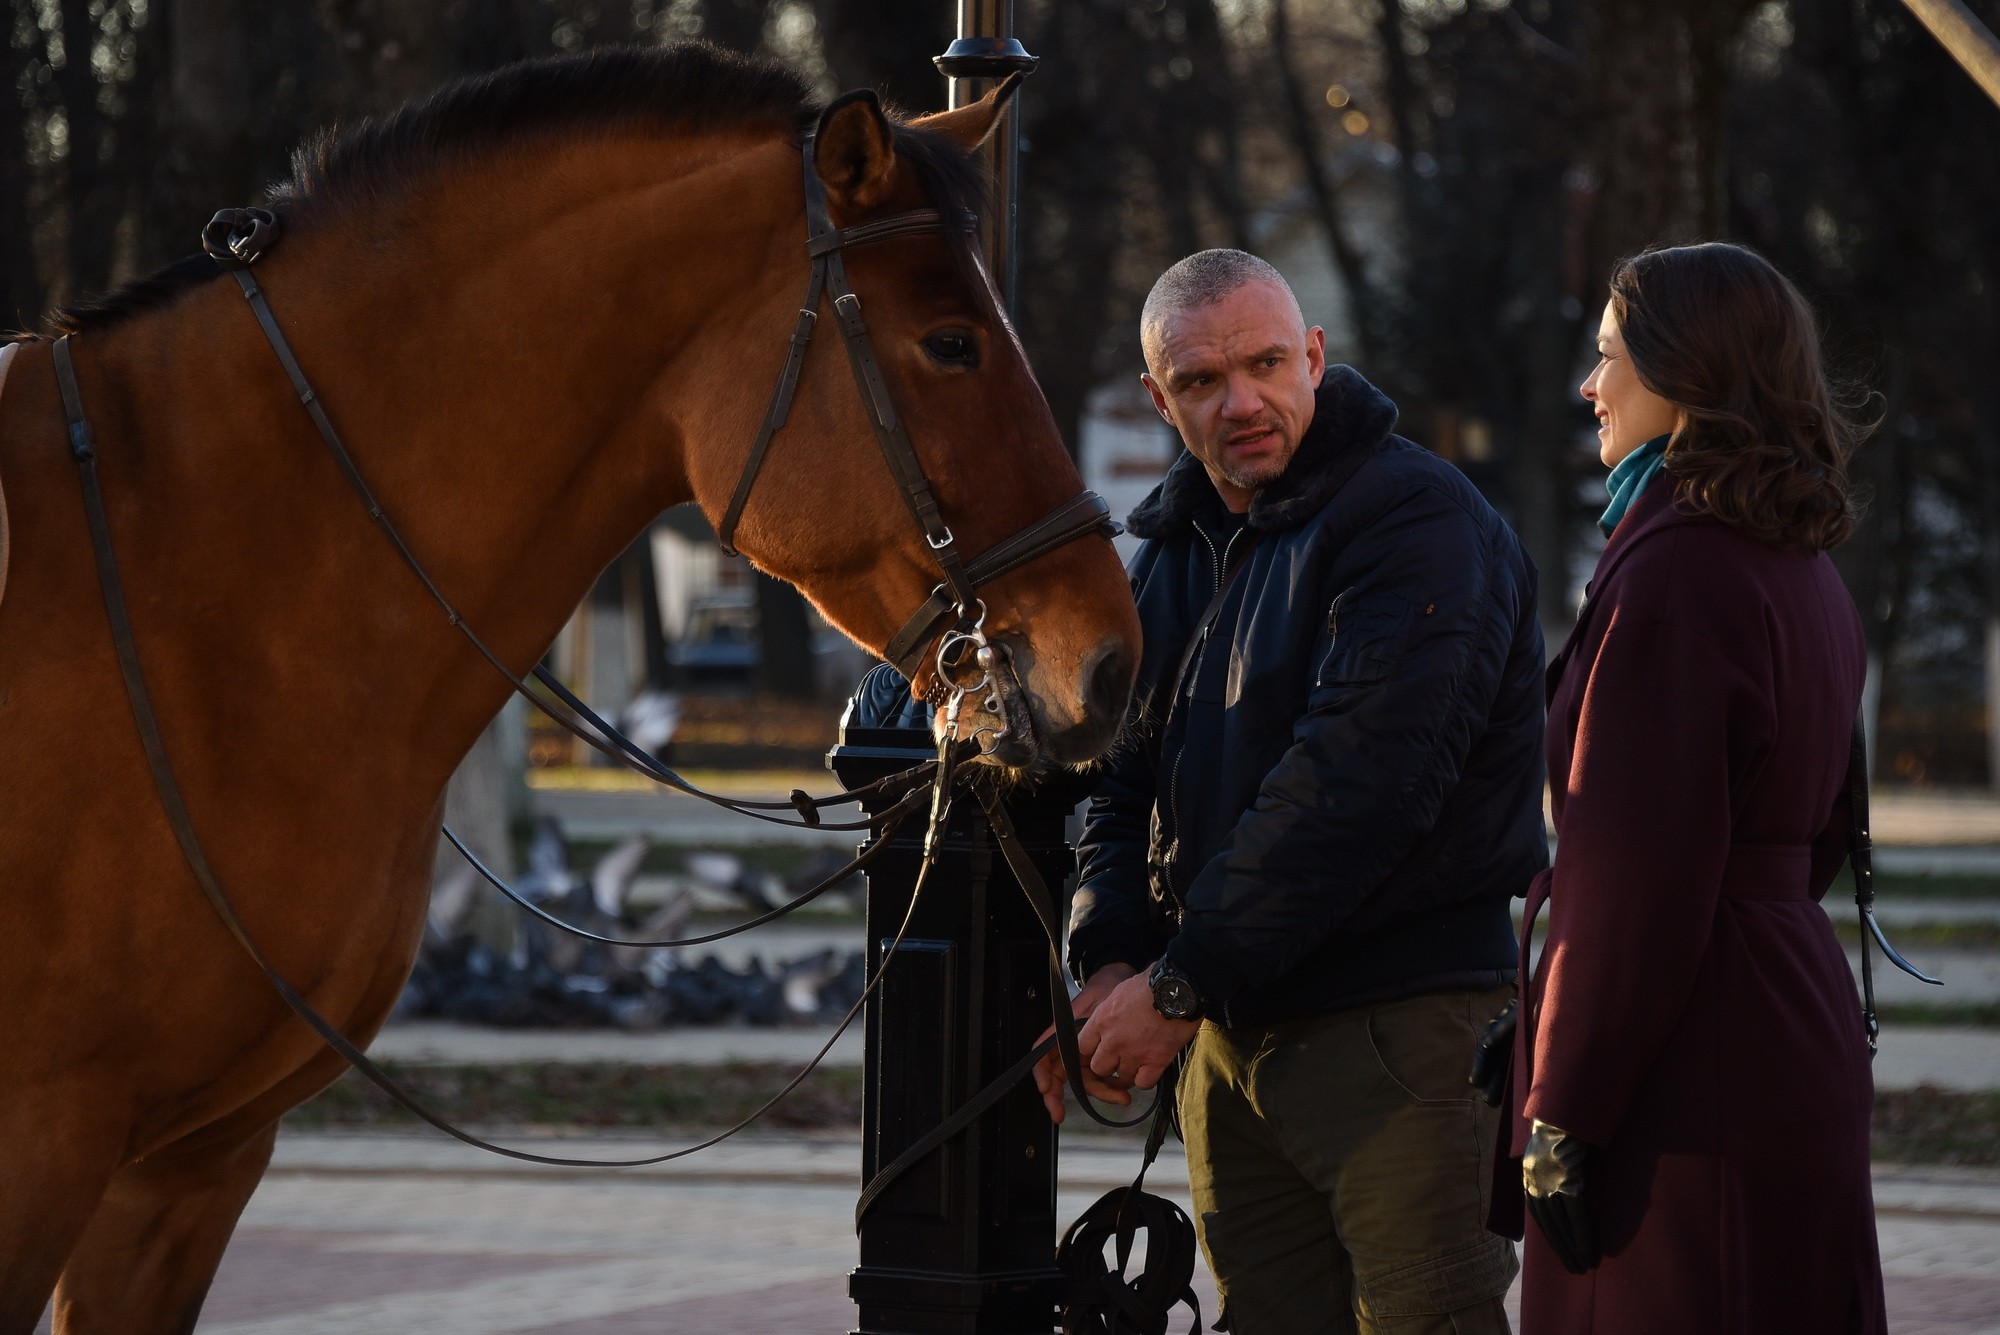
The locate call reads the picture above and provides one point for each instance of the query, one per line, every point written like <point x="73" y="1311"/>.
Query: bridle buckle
<point x="238" y="238"/>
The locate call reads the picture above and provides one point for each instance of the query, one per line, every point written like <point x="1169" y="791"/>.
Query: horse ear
<point x="971" y="125"/>
<point x="854" y="152"/>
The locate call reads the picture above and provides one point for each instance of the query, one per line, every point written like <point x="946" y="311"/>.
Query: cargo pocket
<point x="1441" y="1286"/>
<point x="1273" y="1270"/>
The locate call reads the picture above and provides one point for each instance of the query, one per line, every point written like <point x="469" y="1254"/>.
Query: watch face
<point x="1175" y="998"/>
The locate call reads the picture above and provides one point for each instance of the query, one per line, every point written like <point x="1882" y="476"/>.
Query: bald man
<point x="1296" y="872"/>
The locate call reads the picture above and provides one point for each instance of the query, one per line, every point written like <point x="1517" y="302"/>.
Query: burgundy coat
<point x="1693" y="1016"/>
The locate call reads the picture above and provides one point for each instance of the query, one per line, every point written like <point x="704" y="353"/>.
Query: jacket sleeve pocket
<point x="1366" y="637"/>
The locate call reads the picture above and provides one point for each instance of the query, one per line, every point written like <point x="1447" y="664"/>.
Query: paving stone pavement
<point x="353" y="1234"/>
<point x="1952" y="1057"/>
<point x="1915" y="829"/>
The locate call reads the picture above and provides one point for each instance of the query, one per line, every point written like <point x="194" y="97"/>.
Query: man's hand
<point x="1051" y="1078"/>
<point x="1128" y="1042"/>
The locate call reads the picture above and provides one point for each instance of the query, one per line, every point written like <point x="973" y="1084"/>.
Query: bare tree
<point x="93" y="208"/>
<point x="888" y="45"/>
<point x="1304" y="134"/>
<point x="1659" y="78"/>
<point x="22" y="293"/>
<point x="736" y="24"/>
<point x="203" y="120"/>
<point x="1132" y="157"/>
<point x="784" y="641"/>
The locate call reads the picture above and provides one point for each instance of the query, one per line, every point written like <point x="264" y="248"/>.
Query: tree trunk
<point x="1401" y="88"/>
<point x="736" y="24"/>
<point x="784" y="641"/>
<point x="92" y="198"/>
<point x="491" y="33"/>
<point x="21" y="297"/>
<point x="1646" y="148"/>
<point x="205" y="131"/>
<point x="485" y="801"/>
<point x="1073" y="168"/>
<point x="887" y="45"/>
<point x="1538" y="474"/>
<point x="1986" y="449"/>
<point x="1305" y="142"/>
<point x="135" y="144"/>
<point x="1875" y="562"/>
<point x="659" y="669"/>
<point x="1216" y="106"/>
<point x="610" y="679"/>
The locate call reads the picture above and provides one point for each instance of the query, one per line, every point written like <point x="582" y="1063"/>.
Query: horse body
<point x="531" y="351"/>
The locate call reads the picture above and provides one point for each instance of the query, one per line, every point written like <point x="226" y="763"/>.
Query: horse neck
<point x="504" y="380"/>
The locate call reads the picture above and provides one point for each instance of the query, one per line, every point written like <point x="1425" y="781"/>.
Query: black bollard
<point x="964" y="1242"/>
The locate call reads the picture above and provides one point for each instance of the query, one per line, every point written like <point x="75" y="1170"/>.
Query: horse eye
<point x="953" y="347"/>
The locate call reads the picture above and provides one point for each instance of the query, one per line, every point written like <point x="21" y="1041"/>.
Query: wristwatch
<point x="1174" y="995"/>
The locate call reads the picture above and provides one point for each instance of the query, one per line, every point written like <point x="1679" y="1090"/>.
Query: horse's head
<point x="826" y="513"/>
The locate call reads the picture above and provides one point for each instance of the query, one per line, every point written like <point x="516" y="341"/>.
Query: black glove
<point x="1494" y="1055"/>
<point x="1555" y="1172"/>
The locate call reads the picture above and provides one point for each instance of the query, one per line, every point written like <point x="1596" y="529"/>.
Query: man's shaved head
<point x="1202" y="279"/>
<point x="1232" y="367"/>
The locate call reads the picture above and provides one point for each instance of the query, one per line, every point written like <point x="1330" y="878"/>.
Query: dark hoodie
<point x="1339" y="803"/>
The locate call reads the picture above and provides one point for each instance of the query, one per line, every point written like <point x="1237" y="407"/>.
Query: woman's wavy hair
<point x="1720" y="334"/>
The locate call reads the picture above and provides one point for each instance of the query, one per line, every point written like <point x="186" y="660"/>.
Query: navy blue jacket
<point x="1340" y="803"/>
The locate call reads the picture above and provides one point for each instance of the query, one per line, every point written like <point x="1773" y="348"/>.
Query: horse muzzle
<point x="1027" y="714"/>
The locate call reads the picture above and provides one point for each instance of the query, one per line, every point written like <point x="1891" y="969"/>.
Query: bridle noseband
<point x="956" y="597"/>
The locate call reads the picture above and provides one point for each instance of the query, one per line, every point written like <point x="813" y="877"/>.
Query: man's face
<point x="1236" y="379"/>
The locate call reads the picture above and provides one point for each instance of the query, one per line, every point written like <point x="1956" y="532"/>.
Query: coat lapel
<point x="1653" y="513"/>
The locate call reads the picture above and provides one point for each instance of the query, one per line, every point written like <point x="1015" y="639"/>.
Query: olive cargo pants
<point x="1341" y="1166"/>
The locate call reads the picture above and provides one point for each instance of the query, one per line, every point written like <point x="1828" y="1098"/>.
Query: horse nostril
<point x="1108" y="681"/>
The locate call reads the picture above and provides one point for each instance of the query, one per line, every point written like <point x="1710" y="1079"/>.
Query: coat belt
<point x="1768" y="871"/>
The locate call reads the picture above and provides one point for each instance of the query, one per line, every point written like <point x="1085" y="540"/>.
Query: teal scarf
<point x="1629" y="480"/>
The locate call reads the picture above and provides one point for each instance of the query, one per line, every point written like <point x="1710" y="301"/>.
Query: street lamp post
<point x="985" y="52"/>
<point x="964" y="1242"/>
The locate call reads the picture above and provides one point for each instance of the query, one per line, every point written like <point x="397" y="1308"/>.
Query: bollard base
<point x="964" y="1242"/>
<point x="916" y="1302"/>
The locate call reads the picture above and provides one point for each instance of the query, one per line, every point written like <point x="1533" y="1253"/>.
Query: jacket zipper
<point x="1221" y="564"/>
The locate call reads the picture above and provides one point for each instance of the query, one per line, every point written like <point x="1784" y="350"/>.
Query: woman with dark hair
<point x="1691" y="1094"/>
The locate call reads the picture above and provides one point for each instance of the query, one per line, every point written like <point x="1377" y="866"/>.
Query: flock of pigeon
<point x="551" y="978"/>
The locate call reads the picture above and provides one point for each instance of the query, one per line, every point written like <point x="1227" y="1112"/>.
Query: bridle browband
<point x="957" y="595"/>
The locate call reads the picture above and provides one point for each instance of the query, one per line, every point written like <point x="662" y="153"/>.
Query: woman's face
<point x="1628" y="414"/>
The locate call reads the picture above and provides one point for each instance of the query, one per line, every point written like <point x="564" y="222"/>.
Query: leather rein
<point x="236" y="238"/>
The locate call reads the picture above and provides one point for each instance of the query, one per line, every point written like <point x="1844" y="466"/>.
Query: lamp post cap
<point x="984" y="58"/>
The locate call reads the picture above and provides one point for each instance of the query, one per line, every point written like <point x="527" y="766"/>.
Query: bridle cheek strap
<point x="957" y="594"/>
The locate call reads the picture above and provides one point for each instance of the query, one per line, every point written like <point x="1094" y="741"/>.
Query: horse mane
<point x="686" y="86"/>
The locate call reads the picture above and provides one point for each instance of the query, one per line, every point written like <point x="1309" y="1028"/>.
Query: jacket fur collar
<point x="1351" y="420"/>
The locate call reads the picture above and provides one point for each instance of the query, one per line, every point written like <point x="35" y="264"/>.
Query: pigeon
<point x="760" y="996"/>
<point x="611" y="880"/>
<point x="549" y="877"/>
<point x="651" y="720"/>
<point x="803" y="980"/>
<point x="451" y="900"/>
<point x="819" y="865"/>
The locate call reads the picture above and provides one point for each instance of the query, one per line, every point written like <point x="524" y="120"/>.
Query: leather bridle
<point x="952" y="616"/>
<point x="236" y="238"/>
<point x="957" y="596"/>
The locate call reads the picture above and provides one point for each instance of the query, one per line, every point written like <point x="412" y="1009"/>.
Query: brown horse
<point x="542" y="306"/>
